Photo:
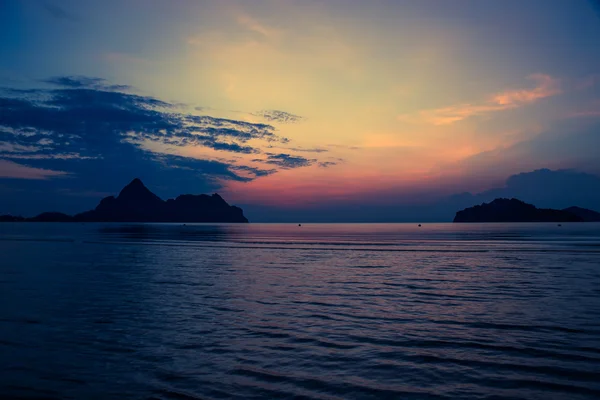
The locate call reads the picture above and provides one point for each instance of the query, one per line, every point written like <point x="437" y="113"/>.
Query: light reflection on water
<point x="317" y="311"/>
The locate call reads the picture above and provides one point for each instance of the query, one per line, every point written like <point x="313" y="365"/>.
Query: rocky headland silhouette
<point x="136" y="203"/>
<point x="584" y="213"/>
<point x="514" y="210"/>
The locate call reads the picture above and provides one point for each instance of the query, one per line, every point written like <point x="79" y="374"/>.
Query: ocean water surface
<point x="321" y="311"/>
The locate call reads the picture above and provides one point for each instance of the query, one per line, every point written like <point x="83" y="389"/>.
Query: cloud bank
<point x="97" y="134"/>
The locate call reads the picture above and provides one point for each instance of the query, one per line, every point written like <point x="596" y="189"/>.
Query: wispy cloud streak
<point x="546" y="86"/>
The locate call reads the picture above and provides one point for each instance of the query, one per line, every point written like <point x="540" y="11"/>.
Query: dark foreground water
<point x="109" y="311"/>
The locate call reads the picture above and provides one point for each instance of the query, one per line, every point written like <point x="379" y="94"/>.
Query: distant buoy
<point x="299" y="224"/>
<point x="559" y="224"/>
<point x="419" y="225"/>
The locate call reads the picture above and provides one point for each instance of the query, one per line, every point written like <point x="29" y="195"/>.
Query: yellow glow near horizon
<point x="393" y="102"/>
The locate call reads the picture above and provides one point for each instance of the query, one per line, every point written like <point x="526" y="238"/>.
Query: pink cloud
<point x="546" y="86"/>
<point x="9" y="169"/>
<point x="452" y="114"/>
<point x="253" y="25"/>
<point x="589" y="113"/>
<point x="592" y="111"/>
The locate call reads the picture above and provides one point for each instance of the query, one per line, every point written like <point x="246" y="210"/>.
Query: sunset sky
<point x="292" y="104"/>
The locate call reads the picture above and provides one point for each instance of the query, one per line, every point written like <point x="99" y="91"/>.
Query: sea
<point x="317" y="311"/>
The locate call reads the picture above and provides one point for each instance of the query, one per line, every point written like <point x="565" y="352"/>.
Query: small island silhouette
<point x="136" y="203"/>
<point x="514" y="210"/>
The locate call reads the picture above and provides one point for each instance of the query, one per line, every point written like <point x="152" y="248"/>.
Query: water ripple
<point x="323" y="312"/>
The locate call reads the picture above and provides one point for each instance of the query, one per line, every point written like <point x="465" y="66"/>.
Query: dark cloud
<point x="254" y="170"/>
<point x="233" y="147"/>
<point x="544" y="188"/>
<point x="85" y="135"/>
<point x="234" y="129"/>
<point x="120" y="88"/>
<point x="75" y="81"/>
<point x="84" y="120"/>
<point x="287" y="161"/>
<point x="279" y="116"/>
<point x="548" y="188"/>
<point x="98" y="136"/>
<point x="326" y="164"/>
<point x="58" y="12"/>
<point x="217" y="133"/>
<point x="85" y="82"/>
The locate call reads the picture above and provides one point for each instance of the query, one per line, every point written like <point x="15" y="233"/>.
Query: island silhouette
<point x="136" y="203"/>
<point x="514" y="210"/>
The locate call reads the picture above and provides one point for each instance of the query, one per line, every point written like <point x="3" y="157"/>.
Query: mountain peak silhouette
<point x="136" y="203"/>
<point x="136" y="191"/>
<point x="135" y="183"/>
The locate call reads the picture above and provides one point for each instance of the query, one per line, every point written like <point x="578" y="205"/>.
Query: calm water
<point x="109" y="311"/>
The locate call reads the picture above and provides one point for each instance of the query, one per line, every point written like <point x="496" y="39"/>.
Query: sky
<point x="293" y="107"/>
